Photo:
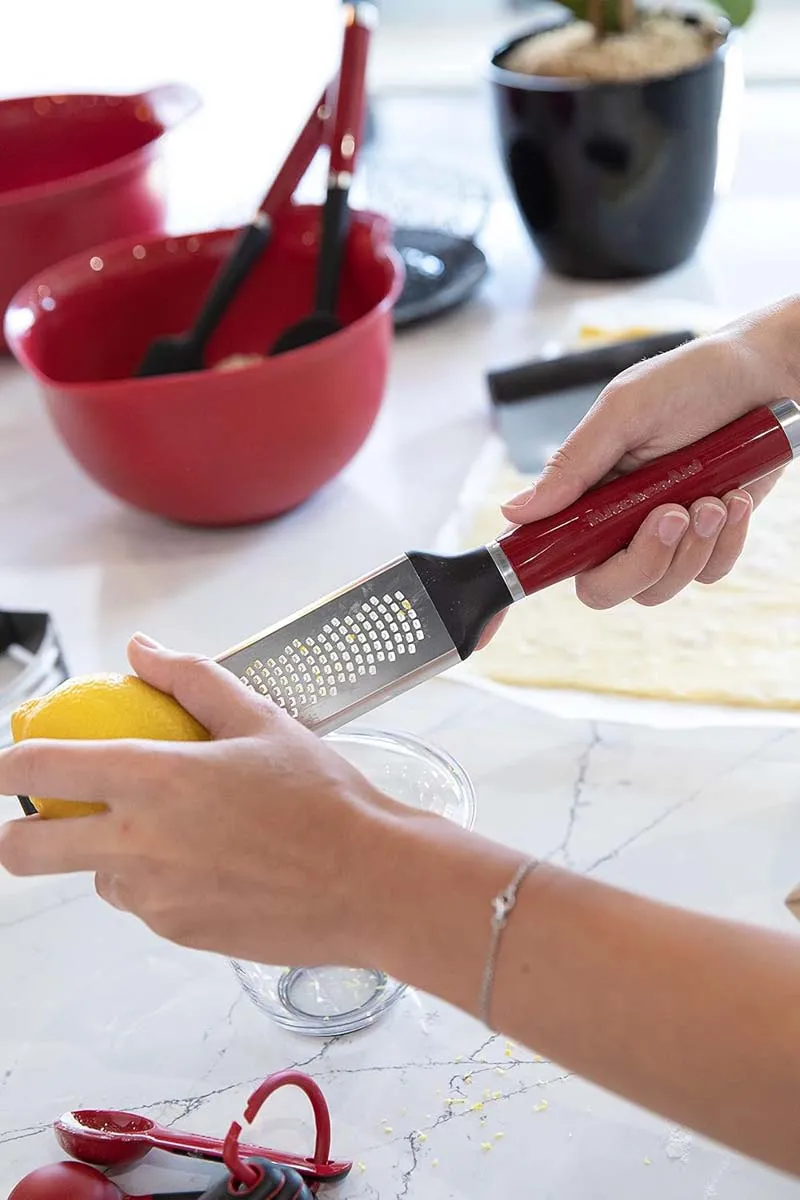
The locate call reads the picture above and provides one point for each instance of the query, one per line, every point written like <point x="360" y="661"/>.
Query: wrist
<point x="788" y="337"/>
<point x="773" y="335"/>
<point x="430" y="905"/>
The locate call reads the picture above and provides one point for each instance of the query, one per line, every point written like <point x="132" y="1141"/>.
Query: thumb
<point x="594" y="447"/>
<point x="212" y="695"/>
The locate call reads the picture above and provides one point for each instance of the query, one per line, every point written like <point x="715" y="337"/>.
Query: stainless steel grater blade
<point x="351" y="651"/>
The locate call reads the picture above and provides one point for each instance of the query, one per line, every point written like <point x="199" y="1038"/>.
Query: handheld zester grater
<point x="422" y="613"/>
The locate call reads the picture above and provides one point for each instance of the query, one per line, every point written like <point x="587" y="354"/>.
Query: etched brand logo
<point x="596" y="516"/>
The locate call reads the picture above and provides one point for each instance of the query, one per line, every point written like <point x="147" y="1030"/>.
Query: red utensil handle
<point x="298" y="160"/>
<point x="606" y="518"/>
<point x="195" y="1145"/>
<point x="240" y="1170"/>
<point x="348" y="118"/>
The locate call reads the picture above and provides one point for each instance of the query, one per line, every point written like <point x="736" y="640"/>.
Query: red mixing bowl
<point x="78" y="170"/>
<point x="213" y="447"/>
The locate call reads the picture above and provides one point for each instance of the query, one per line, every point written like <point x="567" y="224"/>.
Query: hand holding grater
<point x="423" y="613"/>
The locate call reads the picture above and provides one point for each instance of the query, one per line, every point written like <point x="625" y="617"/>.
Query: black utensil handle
<point x="250" y="244"/>
<point x="276" y="1183"/>
<point x="600" y="364"/>
<point x="176" y="1196"/>
<point x="335" y="220"/>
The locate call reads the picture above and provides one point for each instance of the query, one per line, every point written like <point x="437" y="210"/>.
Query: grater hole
<point x="341" y="653"/>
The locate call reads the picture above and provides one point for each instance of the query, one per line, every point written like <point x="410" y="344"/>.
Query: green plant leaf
<point x="738" y="12"/>
<point x="578" y="7"/>
<point x="612" y="14"/>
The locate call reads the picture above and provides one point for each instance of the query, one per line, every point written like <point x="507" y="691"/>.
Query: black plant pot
<point x="612" y="180"/>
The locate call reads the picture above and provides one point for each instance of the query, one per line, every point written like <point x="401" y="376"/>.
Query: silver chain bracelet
<point x="502" y="907"/>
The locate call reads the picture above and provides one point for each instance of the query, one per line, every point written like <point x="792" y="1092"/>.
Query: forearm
<point x="773" y="334"/>
<point x="692" y="1017"/>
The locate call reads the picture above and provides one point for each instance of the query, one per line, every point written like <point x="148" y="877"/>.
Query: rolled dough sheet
<point x="735" y="644"/>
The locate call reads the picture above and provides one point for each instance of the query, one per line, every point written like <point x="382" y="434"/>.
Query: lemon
<point x="102" y="706"/>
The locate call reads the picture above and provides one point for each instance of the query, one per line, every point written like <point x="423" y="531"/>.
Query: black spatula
<point x="323" y="321"/>
<point x="176" y="353"/>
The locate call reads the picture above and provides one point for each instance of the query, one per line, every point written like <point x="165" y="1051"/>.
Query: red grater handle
<point x="349" y="111"/>
<point x="606" y="518"/>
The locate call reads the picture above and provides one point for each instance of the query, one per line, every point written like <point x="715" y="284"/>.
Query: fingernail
<point x="738" y="508"/>
<point x="149" y="642"/>
<point x="709" y="519"/>
<point x="521" y="498"/>
<point x="672" y="526"/>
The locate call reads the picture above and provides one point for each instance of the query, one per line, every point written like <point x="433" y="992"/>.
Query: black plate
<point x="455" y="267"/>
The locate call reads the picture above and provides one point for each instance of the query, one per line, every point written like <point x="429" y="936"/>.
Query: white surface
<point x="93" y="1010"/>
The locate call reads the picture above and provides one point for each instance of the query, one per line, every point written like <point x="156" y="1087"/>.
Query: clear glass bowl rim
<point x="422" y="750"/>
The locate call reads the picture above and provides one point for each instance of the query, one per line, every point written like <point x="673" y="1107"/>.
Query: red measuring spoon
<point x="120" y="1139"/>
<point x="74" y="1181"/>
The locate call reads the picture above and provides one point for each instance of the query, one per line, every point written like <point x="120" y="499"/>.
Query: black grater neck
<point x="466" y="589"/>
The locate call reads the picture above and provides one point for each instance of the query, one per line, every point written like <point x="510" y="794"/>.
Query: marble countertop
<point x="96" y="1011"/>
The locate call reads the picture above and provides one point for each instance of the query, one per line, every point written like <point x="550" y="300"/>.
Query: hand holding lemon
<point x="237" y="840"/>
<point x="99" y="707"/>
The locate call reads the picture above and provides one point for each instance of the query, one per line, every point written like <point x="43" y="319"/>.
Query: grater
<point x="31" y="663"/>
<point x="422" y="613"/>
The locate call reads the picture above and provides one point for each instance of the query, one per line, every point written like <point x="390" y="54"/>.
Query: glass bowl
<point x="327" y="1001"/>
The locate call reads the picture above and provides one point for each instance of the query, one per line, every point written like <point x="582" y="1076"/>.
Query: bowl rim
<point x="158" y="384"/>
<point x="503" y="77"/>
<point x="32" y="192"/>
<point x="420" y="748"/>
